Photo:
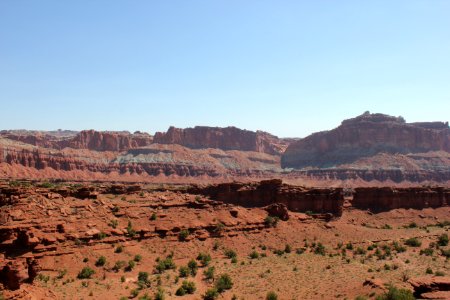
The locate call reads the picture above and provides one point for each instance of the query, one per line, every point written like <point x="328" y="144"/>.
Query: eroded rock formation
<point x="365" y="136"/>
<point x="228" y="138"/>
<point x="387" y="198"/>
<point x="296" y="198"/>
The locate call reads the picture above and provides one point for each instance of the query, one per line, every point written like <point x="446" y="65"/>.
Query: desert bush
<point x="193" y="267"/>
<point x="413" y="242"/>
<point x="254" y="255"/>
<point x="439" y="273"/>
<point x="165" y="264"/>
<point x="183" y="235"/>
<point x="209" y="273"/>
<point x="143" y="277"/>
<point x="271" y="296"/>
<point x="119" y="249"/>
<point x="412" y="225"/>
<point x="443" y="240"/>
<point x="429" y="271"/>
<point x="230" y="253"/>
<point x="349" y="246"/>
<point x="204" y="258"/>
<point x="394" y="293"/>
<point x="319" y="249"/>
<point x="131" y="265"/>
<point x="445" y="252"/>
<point x="427" y="252"/>
<point x="224" y="282"/>
<point x="153" y="217"/>
<point x="101" y="261"/>
<point x="183" y="271"/>
<point x="398" y="248"/>
<point x="211" y="294"/>
<point x="271" y="221"/>
<point x="118" y="265"/>
<point x="360" y="251"/>
<point x="137" y="258"/>
<point x="86" y="273"/>
<point x="187" y="287"/>
<point x="287" y="248"/>
<point x="159" y="295"/>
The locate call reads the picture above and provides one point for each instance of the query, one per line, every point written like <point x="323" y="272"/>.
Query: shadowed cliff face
<point x="365" y="136"/>
<point x="229" y="138"/>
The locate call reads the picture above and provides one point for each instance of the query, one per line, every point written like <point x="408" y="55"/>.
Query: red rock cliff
<point x="384" y="199"/>
<point x="107" y="141"/>
<point x="229" y="138"/>
<point x="267" y="192"/>
<point x="366" y="136"/>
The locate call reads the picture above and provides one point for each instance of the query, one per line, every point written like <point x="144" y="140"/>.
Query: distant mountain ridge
<point x="370" y="147"/>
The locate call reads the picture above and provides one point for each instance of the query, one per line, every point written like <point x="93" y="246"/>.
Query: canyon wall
<point x="365" y="136"/>
<point x="387" y="198"/>
<point x="228" y="138"/>
<point x="298" y="199"/>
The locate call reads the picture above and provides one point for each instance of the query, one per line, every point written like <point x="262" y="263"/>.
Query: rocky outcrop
<point x="365" y="136"/>
<point x="264" y="193"/>
<point x="228" y="138"/>
<point x="431" y="287"/>
<point x="387" y="198"/>
<point x="107" y="141"/>
<point x="15" y="272"/>
<point x="87" y="139"/>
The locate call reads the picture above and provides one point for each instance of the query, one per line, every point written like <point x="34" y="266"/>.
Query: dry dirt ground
<point x="358" y="248"/>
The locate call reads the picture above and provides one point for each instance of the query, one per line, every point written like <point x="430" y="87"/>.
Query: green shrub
<point x="159" y="295"/>
<point x="165" y="264"/>
<point x="429" y="271"/>
<point x="360" y="251"/>
<point x="386" y="226"/>
<point x="445" y="252"/>
<point x="143" y="277"/>
<point x="319" y="249"/>
<point x="399" y="248"/>
<point x="443" y="240"/>
<point x="230" y="253"/>
<point x="101" y="261"/>
<point x="439" y="273"/>
<point x="270" y="221"/>
<point x="183" y="271"/>
<point x="131" y="265"/>
<point x="412" y="225"/>
<point x="183" y="235"/>
<point x="119" y="249"/>
<point x="394" y="293"/>
<point x="271" y="296"/>
<point x="254" y="255"/>
<point x="137" y="258"/>
<point x="349" y="246"/>
<point x="192" y="265"/>
<point x="153" y="217"/>
<point x="287" y="248"/>
<point x="224" y="282"/>
<point x="204" y="258"/>
<point x="118" y="265"/>
<point x="209" y="273"/>
<point x="211" y="294"/>
<point x="187" y="287"/>
<point x="427" y="252"/>
<point x="413" y="242"/>
<point x="86" y="273"/>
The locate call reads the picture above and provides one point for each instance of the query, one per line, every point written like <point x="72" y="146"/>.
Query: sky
<point x="287" y="67"/>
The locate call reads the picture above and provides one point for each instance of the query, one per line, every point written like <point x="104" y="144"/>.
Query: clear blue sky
<point x="287" y="67"/>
